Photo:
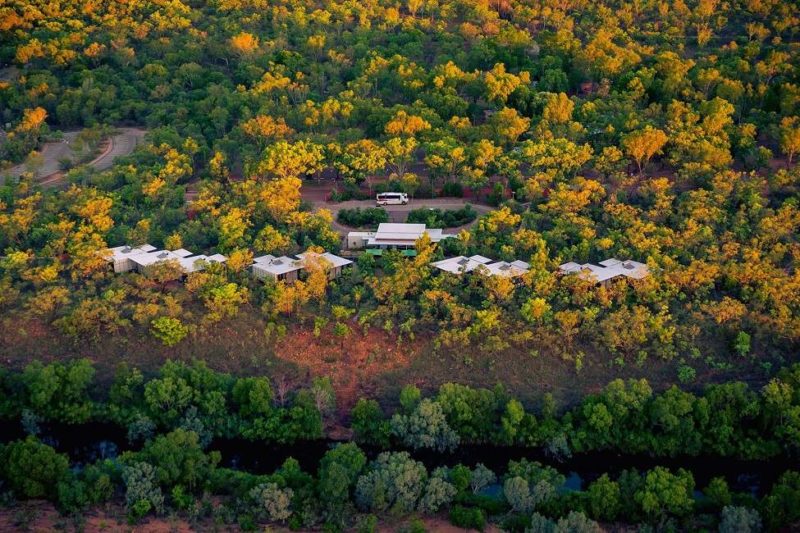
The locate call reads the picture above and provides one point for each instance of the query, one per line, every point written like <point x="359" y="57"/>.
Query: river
<point x="93" y="441"/>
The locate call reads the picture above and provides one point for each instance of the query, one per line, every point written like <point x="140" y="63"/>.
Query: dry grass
<point x="373" y="365"/>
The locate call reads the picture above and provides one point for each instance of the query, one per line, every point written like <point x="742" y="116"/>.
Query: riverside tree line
<point x="172" y="419"/>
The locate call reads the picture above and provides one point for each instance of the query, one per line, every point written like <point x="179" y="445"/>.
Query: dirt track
<point x="50" y="173"/>
<point x="317" y="195"/>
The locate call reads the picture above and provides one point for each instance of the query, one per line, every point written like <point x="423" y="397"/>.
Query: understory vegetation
<point x="438" y="218"/>
<point x="368" y="217"/>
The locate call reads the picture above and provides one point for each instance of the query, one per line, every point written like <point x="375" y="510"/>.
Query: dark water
<point x="91" y="442"/>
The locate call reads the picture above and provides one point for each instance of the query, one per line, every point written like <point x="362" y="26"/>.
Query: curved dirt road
<point x="123" y="142"/>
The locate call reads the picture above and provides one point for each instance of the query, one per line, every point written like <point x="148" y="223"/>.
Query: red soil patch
<point x="437" y="524"/>
<point x="41" y="516"/>
<point x="351" y="363"/>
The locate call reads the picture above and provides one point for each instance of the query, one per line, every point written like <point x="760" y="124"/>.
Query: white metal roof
<point x="504" y="269"/>
<point x="402" y="234"/>
<point x="391" y="227"/>
<point x="458" y="264"/>
<point x="216" y="258"/>
<point x="334" y="260"/>
<point x="182" y="252"/>
<point x="124" y="252"/>
<point x="278" y="265"/>
<point x="611" y="268"/>
<point x="147" y="259"/>
<point x="193" y="263"/>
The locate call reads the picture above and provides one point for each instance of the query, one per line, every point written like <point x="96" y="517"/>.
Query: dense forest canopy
<point x="662" y="131"/>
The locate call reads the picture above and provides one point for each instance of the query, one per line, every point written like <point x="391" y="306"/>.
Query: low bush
<point x="467" y="517"/>
<point x="368" y="217"/>
<point x="436" y="218"/>
<point x="453" y="189"/>
<point x="348" y="192"/>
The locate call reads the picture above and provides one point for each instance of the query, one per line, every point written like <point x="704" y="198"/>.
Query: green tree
<point x="603" y="499"/>
<point x="33" y="469"/>
<point x="338" y="472"/>
<point x="169" y="330"/>
<point x="142" y="491"/>
<point x="664" y="493"/>
<point x="779" y="507"/>
<point x="425" y="427"/>
<point x="178" y="459"/>
<point x="60" y="391"/>
<point x="369" y="423"/>
<point x="393" y="482"/>
<point x="737" y="519"/>
<point x="272" y="502"/>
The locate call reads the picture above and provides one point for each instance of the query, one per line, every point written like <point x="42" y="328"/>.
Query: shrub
<point x="467" y="517"/>
<point x="495" y="198"/>
<point x="361" y="218"/>
<point x="739" y="520"/>
<point x="272" y="502"/>
<point x="453" y="189"/>
<point x="142" y="492"/>
<point x="168" y="330"/>
<point x="349" y="192"/>
<point x="436" y="218"/>
<point x="439" y="493"/>
<point x="686" y="374"/>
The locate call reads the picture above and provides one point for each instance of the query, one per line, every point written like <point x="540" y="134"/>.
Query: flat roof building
<point x="278" y="268"/>
<point x="504" y="269"/>
<point x="120" y="256"/>
<point x="142" y="261"/>
<point x="393" y="235"/>
<point x="607" y="270"/>
<point x="193" y="263"/>
<point x="127" y="258"/>
<point x="335" y="263"/>
<point x="461" y="264"/>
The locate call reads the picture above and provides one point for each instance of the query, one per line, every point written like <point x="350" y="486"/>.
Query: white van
<point x="392" y="198"/>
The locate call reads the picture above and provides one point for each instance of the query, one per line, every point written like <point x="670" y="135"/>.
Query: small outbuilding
<point x="334" y="263"/>
<point x="120" y="256"/>
<point x="278" y="268"/>
<point x="393" y="236"/>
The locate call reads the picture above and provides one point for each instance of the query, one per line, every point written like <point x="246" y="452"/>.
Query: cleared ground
<point x="123" y="142"/>
<point x="317" y="196"/>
